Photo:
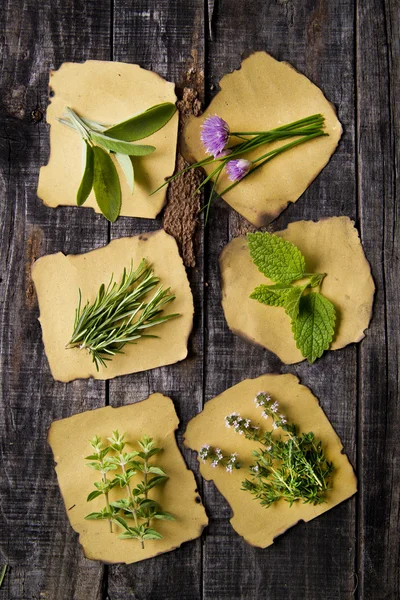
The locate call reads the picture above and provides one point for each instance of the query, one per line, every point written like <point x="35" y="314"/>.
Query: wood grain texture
<point x="45" y="558"/>
<point x="166" y="37"/>
<point x="318" y="42"/>
<point x="378" y="108"/>
<point x="351" y="51"/>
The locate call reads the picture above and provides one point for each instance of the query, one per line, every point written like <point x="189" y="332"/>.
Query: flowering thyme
<point x="292" y="467"/>
<point x="217" y="458"/>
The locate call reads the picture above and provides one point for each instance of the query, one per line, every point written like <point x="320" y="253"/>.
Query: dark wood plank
<point x="166" y="37"/>
<point x="37" y="541"/>
<point x="317" y="559"/>
<point x="378" y="79"/>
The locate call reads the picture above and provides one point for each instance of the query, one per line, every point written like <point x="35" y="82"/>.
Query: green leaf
<point x="126" y="165"/>
<point x="292" y="301"/>
<point x="156" y="481"/>
<point x="314" y="327"/>
<point x="93" y="495"/>
<point x="272" y="295"/>
<point x="121" y="522"/>
<point x="156" y="471"/>
<point x="317" y="279"/>
<point x="144" y="124"/>
<point x="114" y="145"/>
<point x="164" y="515"/>
<point x="276" y="258"/>
<point x="152" y="534"/>
<point x="95" y="516"/>
<point x="106" y="185"/>
<point x="87" y="179"/>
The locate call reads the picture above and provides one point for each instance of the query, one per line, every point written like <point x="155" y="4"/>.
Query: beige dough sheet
<point x="264" y="94"/>
<point x="257" y="525"/>
<point x="57" y="279"/>
<point x="107" y="92"/>
<point x="157" y="418"/>
<point x="330" y="246"/>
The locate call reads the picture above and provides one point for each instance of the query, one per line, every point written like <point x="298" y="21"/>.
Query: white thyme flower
<point x="247" y="423"/>
<point x="229" y="468"/>
<point x="264" y="414"/>
<point x="275" y="407"/>
<point x="274" y="425"/>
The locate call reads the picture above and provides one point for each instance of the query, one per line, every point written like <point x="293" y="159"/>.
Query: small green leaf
<point x="156" y="481"/>
<point x="106" y="185"/>
<point x="96" y="516"/>
<point x="276" y="258"/>
<point x="152" y="534"/>
<point x="292" y="301"/>
<point x="156" y="471"/>
<point x="93" y="495"/>
<point x="317" y="279"/>
<point x="114" y="145"/>
<point x="144" y="124"/>
<point x="121" y="522"/>
<point x="314" y="327"/>
<point x="87" y="179"/>
<point x="126" y="165"/>
<point x="272" y="295"/>
<point x="164" y="516"/>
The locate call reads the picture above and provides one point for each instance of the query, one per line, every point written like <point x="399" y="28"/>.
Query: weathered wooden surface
<point x="349" y="49"/>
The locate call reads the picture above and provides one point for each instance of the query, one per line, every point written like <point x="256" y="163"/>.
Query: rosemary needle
<point x="120" y="314"/>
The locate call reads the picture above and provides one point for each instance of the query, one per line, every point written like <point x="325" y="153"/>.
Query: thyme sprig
<point x="136" y="505"/>
<point x="292" y="467"/>
<point x="120" y="314"/>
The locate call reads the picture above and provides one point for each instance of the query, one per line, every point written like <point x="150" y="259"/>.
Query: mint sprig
<point x="312" y="315"/>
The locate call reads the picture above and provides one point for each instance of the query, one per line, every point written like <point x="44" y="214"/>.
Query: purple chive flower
<point x="237" y="168"/>
<point x="214" y="135"/>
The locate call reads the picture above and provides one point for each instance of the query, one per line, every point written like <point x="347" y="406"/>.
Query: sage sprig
<point x="291" y="467"/>
<point x="136" y="504"/>
<point x="102" y="142"/>
<point x="120" y="314"/>
<point x="312" y="315"/>
<point x="227" y="154"/>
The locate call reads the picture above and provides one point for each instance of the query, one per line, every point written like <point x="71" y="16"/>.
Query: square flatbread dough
<point x="329" y="246"/>
<point x="156" y="417"/>
<point x="262" y="95"/>
<point x="257" y="525"/>
<point x="107" y="92"/>
<point x="58" y="278"/>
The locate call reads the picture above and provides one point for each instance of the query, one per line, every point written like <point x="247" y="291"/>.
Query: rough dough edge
<point x="226" y="499"/>
<point x="51" y="72"/>
<point x="90" y="376"/>
<point x="55" y="465"/>
<point x="263" y="219"/>
<point x="249" y="339"/>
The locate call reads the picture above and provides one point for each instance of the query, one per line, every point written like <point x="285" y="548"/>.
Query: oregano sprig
<point x="312" y="315"/>
<point x="291" y="467"/>
<point x="120" y="314"/>
<point x="136" y="505"/>
<point x="102" y="142"/>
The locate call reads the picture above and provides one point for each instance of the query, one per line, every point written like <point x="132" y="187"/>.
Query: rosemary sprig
<point x="119" y="315"/>
<point x="291" y="468"/>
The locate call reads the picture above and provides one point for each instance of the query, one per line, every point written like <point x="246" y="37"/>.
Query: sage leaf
<point x="277" y="259"/>
<point x="144" y="124"/>
<point x="87" y="179"/>
<point x="126" y="165"/>
<point x="114" y="145"/>
<point x="314" y="327"/>
<point x="106" y="184"/>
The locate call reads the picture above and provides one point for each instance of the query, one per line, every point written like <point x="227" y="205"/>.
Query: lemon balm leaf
<point x="314" y="327"/>
<point x="277" y="259"/>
